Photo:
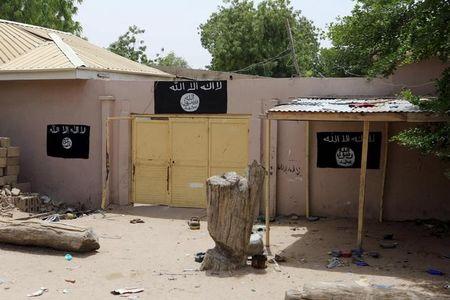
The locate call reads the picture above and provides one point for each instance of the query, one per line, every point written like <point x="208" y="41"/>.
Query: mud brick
<point x="12" y="170"/>
<point x="11" y="179"/>
<point x="5" y="142"/>
<point x="29" y="203"/>
<point x="13" y="152"/>
<point x="11" y="161"/>
<point x="2" y="162"/>
<point x="3" y="152"/>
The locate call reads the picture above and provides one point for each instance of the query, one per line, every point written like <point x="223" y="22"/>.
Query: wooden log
<point x="49" y="235"/>
<point x="231" y="200"/>
<point x="339" y="291"/>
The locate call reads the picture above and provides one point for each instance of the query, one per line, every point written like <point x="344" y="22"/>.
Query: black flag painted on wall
<point x="343" y="150"/>
<point x="68" y="141"/>
<point x="191" y="97"/>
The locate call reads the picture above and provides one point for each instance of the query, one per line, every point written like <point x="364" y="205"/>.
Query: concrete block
<point x="2" y="162"/>
<point x="12" y="170"/>
<point x="13" y="152"/>
<point x="11" y="179"/>
<point x="24" y="187"/>
<point x="11" y="161"/>
<point x="3" y="152"/>
<point x="5" y="142"/>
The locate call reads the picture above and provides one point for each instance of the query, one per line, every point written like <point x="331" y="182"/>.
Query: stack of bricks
<point x="9" y="162"/>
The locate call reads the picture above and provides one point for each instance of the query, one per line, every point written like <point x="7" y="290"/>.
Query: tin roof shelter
<point x="31" y="52"/>
<point x="346" y="110"/>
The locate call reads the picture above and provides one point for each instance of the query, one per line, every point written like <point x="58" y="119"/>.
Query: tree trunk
<point x="330" y="290"/>
<point x="231" y="201"/>
<point x="42" y="234"/>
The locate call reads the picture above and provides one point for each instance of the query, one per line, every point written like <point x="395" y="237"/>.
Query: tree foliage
<point x="55" y="14"/>
<point x="431" y="139"/>
<point x="254" y="39"/>
<point x="131" y="46"/>
<point x="380" y="35"/>
<point x="171" y="60"/>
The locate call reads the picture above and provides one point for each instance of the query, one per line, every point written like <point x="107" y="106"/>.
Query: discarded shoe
<point x="135" y="221"/>
<point x="199" y="257"/>
<point x="435" y="272"/>
<point x="334" y="262"/>
<point x="194" y="223"/>
<point x="388" y="245"/>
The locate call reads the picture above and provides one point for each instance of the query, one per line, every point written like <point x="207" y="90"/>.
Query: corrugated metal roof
<point x="324" y="105"/>
<point x="27" y="48"/>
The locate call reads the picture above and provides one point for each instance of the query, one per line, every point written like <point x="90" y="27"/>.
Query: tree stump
<point x="231" y="200"/>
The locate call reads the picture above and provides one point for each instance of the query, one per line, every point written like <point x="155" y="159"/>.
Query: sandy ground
<point x="158" y="256"/>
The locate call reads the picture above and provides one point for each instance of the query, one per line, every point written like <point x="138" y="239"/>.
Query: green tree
<point x="55" y="14"/>
<point x="254" y="39"/>
<point x="130" y="46"/>
<point x="171" y="60"/>
<point x="381" y="35"/>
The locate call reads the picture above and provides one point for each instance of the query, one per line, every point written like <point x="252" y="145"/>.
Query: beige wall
<point x="415" y="185"/>
<point x="26" y="108"/>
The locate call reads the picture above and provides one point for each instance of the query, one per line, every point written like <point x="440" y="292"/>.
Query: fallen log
<point x="59" y="236"/>
<point x="337" y="291"/>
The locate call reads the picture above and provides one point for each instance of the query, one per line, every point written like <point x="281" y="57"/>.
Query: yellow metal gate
<point x="173" y="156"/>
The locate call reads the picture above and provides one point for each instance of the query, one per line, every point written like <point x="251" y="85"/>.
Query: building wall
<point x="26" y="108"/>
<point x="415" y="185"/>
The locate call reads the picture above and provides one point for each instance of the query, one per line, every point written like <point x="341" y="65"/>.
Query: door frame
<point x="160" y="117"/>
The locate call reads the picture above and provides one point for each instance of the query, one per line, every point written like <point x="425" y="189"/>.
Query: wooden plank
<point x="267" y="178"/>
<point x="362" y="182"/>
<point x="105" y="190"/>
<point x="306" y="174"/>
<point x="384" y="165"/>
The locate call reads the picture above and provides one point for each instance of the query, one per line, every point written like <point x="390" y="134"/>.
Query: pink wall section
<point x="415" y="184"/>
<point x="26" y="108"/>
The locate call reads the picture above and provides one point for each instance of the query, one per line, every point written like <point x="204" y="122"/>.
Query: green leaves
<point x="381" y="35"/>
<point x="129" y="45"/>
<point x="55" y="14"/>
<point x="171" y="60"/>
<point x="254" y="39"/>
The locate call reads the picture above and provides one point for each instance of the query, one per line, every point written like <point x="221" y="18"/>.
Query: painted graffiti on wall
<point x="290" y="168"/>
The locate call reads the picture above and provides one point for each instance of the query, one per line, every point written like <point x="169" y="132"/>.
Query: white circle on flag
<point x="345" y="157"/>
<point x="66" y="143"/>
<point x="190" y="102"/>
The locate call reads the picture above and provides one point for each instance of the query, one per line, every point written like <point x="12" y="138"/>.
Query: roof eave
<point x="352" y="116"/>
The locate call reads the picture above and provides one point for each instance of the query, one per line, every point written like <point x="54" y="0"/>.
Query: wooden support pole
<point x="362" y="182"/>
<point x="383" y="175"/>
<point x="306" y="174"/>
<point x="267" y="179"/>
<point x="105" y="190"/>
